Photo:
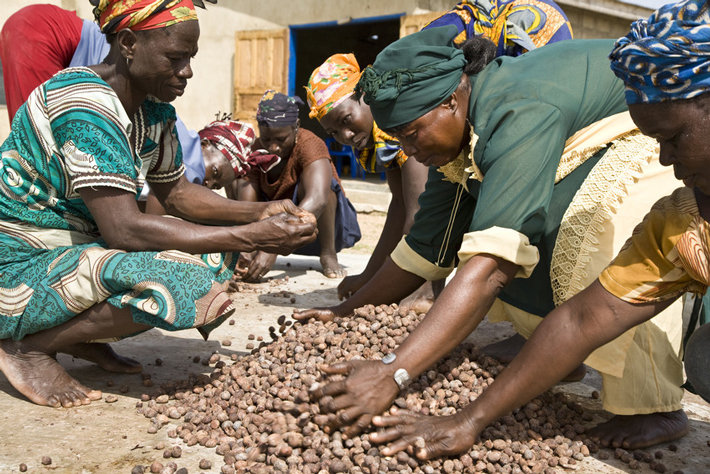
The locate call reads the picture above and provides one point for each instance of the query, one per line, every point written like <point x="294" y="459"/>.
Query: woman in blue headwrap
<point x="536" y="176"/>
<point x="665" y="65"/>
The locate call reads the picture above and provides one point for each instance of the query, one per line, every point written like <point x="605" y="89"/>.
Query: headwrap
<point x="115" y="15"/>
<point x="331" y="83"/>
<point x="666" y="57"/>
<point x="412" y="76"/>
<point x="278" y="110"/>
<point x="234" y="139"/>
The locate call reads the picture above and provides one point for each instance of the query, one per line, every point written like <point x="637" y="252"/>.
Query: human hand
<point x="350" y="285"/>
<point x="428" y="436"/>
<point x="258" y="266"/>
<point x="283" y="233"/>
<point x="285" y="205"/>
<point x="321" y="314"/>
<point x="367" y="390"/>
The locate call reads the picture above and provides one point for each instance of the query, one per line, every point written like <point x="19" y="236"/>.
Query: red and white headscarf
<point x="115" y="15"/>
<point x="234" y="139"/>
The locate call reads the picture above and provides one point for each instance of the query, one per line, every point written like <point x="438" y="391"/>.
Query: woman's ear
<point x="127" y="40"/>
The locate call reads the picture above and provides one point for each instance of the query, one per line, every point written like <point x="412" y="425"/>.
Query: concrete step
<point x="367" y="196"/>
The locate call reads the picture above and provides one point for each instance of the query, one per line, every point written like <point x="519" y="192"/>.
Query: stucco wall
<point x="211" y="89"/>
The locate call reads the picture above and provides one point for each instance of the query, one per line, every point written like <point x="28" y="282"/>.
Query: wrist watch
<point x="401" y="376"/>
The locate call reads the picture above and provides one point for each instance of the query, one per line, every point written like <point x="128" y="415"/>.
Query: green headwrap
<point x="412" y="76"/>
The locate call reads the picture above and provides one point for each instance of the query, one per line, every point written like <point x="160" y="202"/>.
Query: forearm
<point x="199" y="204"/>
<point x="562" y="342"/>
<point x="155" y="233"/>
<point x="389" y="238"/>
<point x="459" y="309"/>
<point x="390" y="284"/>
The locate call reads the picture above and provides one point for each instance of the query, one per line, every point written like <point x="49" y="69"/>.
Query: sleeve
<point x="92" y="136"/>
<point x="162" y="148"/>
<point x="519" y="162"/>
<point x="649" y="268"/>
<point x="445" y="211"/>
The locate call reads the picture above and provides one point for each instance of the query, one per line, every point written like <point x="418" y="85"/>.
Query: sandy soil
<point x="113" y="438"/>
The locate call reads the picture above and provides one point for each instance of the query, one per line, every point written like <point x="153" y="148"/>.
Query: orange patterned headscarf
<point x="331" y="83"/>
<point x="115" y="15"/>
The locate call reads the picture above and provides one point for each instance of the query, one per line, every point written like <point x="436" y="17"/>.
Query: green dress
<point x="522" y="110"/>
<point x="73" y="133"/>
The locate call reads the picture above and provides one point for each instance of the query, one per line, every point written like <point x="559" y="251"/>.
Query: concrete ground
<point x="112" y="437"/>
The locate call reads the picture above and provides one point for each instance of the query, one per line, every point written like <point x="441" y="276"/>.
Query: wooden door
<point x="260" y="63"/>
<point x="412" y="23"/>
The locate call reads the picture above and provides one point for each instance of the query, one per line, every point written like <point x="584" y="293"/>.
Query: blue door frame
<point x="292" y="41"/>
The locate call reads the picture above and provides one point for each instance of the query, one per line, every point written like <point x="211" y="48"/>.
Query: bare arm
<point x="124" y="227"/>
<point x="198" y="204"/>
<point x="315" y="183"/>
<point x="560" y="343"/>
<point x="369" y="388"/>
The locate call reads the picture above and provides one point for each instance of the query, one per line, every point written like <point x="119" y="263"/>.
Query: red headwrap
<point x="234" y="140"/>
<point x="115" y="15"/>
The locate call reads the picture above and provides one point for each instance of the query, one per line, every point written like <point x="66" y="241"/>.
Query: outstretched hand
<point x="283" y="233"/>
<point x="321" y="314"/>
<point x="285" y="205"/>
<point x="350" y="285"/>
<point x="260" y="265"/>
<point x="429" y="436"/>
<point x="367" y="390"/>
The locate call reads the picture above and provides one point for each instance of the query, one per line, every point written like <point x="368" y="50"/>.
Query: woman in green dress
<point x="535" y="170"/>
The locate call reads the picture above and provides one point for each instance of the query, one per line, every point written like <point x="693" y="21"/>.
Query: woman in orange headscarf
<point x="78" y="261"/>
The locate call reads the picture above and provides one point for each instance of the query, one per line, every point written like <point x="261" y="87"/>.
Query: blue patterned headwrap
<point x="666" y="57"/>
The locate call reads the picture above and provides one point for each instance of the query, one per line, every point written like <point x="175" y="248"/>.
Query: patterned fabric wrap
<point x="667" y="255"/>
<point x="115" y="15"/>
<point x="233" y="139"/>
<point x="277" y="110"/>
<point x="666" y="57"/>
<point x="412" y="76"/>
<point x="72" y="133"/>
<point x="386" y="155"/>
<point x="331" y="83"/>
<point x="515" y="26"/>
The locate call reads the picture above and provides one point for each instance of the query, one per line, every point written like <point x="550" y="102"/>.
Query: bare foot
<point x="103" y="355"/>
<point x="505" y="351"/>
<point x="331" y="267"/>
<point x="420" y="301"/>
<point x="40" y="378"/>
<point x="640" y="431"/>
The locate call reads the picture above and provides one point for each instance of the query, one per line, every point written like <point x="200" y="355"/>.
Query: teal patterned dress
<point x="73" y="133"/>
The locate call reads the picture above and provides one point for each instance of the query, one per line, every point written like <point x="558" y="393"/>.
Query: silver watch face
<point x="389" y="358"/>
<point x="401" y="376"/>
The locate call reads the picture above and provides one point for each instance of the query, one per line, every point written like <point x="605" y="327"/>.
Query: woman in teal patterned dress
<point x="79" y="263"/>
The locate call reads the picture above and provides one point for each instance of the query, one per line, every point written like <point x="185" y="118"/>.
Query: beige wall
<point x="601" y="18"/>
<point x="211" y="89"/>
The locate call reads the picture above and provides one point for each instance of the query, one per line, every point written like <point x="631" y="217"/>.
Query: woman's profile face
<point x="682" y="128"/>
<point x="278" y="140"/>
<point x="350" y="123"/>
<point x="218" y="172"/>
<point x="160" y="65"/>
<point x="436" y="138"/>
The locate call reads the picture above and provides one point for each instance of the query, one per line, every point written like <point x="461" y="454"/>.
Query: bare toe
<point x="641" y="431"/>
<point x="39" y="377"/>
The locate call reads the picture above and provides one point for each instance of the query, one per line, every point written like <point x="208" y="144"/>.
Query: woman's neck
<point x="117" y="78"/>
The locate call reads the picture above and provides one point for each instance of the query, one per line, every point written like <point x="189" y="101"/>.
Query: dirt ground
<point x="113" y="438"/>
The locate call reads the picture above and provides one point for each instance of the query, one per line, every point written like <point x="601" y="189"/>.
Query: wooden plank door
<point x="260" y="63"/>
